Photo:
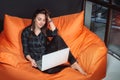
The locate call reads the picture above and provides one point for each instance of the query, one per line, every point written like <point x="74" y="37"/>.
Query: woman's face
<point x="40" y="21"/>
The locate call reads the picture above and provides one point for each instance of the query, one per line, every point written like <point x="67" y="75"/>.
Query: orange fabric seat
<point x="88" y="49"/>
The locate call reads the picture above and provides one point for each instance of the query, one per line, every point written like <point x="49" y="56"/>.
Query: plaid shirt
<point x="33" y="45"/>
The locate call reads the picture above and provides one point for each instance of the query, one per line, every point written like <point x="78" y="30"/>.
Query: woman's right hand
<point x="33" y="63"/>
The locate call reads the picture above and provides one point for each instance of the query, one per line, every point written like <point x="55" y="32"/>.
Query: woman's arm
<point x="26" y="48"/>
<point x="33" y="63"/>
<point x="53" y="30"/>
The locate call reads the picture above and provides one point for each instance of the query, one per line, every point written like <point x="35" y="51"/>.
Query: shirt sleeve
<point x="52" y="33"/>
<point x="25" y="43"/>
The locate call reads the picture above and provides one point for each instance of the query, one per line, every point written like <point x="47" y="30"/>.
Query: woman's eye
<point x="39" y="19"/>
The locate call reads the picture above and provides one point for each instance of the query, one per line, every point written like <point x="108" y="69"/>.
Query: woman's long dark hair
<point x="40" y="11"/>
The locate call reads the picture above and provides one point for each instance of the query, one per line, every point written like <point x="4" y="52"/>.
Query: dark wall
<point x="25" y="8"/>
<point x="117" y="2"/>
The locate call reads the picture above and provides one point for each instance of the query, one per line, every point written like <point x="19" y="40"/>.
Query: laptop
<point x="53" y="59"/>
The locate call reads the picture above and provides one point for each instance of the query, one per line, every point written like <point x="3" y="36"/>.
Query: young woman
<point x="35" y="41"/>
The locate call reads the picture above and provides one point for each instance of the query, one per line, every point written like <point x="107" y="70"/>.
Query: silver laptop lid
<point x="54" y="59"/>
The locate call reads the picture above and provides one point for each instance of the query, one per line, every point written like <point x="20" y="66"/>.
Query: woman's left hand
<point x="52" y="26"/>
<point x="49" y="19"/>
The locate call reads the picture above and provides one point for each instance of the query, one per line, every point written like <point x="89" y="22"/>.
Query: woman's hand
<point x="33" y="63"/>
<point x="52" y="26"/>
<point x="49" y="19"/>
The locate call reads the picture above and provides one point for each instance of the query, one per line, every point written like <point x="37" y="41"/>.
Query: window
<point x="105" y="22"/>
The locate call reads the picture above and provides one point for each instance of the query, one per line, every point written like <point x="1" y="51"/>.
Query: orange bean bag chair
<point x="87" y="48"/>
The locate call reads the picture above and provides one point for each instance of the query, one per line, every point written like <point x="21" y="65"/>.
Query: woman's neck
<point x="37" y="31"/>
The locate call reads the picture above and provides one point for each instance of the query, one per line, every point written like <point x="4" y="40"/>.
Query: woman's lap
<point x="58" y="43"/>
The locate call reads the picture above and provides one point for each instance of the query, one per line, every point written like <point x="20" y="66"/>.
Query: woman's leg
<point x="58" y="43"/>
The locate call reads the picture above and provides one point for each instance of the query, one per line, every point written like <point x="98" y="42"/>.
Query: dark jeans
<point x="58" y="43"/>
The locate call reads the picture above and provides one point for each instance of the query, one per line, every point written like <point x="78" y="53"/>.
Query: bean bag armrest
<point x="93" y="60"/>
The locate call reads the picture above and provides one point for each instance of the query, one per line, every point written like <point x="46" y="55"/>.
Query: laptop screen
<point x="54" y="59"/>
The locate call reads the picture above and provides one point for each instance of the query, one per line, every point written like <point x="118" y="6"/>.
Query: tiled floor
<point x="113" y="72"/>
